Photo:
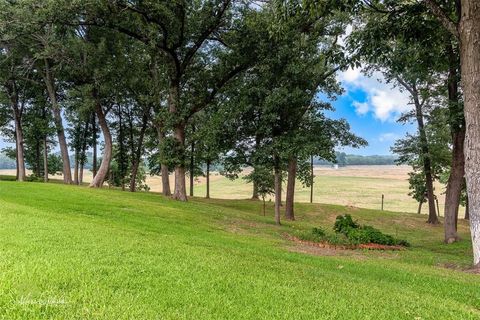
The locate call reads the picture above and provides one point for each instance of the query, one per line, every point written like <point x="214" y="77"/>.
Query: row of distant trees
<point x="343" y="159"/>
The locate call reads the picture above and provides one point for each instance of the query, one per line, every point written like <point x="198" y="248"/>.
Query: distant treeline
<point x="344" y="159"/>
<point x="6" y="162"/>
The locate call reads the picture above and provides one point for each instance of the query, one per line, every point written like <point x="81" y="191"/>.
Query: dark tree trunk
<point x="101" y="175"/>
<point x="290" y="198"/>
<point x="278" y="191"/>
<point x="192" y="163"/>
<point x="457" y="126"/>
<point x="57" y="116"/>
<point x="121" y="148"/>
<point x="454" y="187"/>
<point x="208" y="180"/>
<point x="75" y="168"/>
<point x="94" y="144"/>
<point x="163" y="167"/>
<point x="19" y="140"/>
<point x="83" y="151"/>
<point x="38" y="157"/>
<point x="138" y="153"/>
<point x="427" y="166"/>
<point x="419" y="211"/>
<point x="469" y="31"/>
<point x="45" y="160"/>
<point x="467" y="212"/>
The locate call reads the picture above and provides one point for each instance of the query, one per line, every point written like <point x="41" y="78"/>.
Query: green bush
<point x="358" y="234"/>
<point x="344" y="223"/>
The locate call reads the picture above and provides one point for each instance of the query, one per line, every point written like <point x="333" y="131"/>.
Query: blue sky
<point x="372" y="107"/>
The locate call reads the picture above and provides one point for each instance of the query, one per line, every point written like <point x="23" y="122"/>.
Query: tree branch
<point x="441" y="15"/>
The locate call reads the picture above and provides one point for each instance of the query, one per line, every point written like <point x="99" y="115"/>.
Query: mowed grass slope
<point x="75" y="253"/>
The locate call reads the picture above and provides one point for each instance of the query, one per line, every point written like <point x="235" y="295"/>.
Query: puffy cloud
<point x="385" y="101"/>
<point x="361" y="108"/>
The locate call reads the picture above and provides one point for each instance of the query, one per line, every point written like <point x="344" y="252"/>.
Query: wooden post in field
<point x="383" y="197"/>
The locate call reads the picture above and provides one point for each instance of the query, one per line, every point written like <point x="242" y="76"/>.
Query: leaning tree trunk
<point x="278" y="191"/>
<point x="180" y="190"/>
<point x="138" y="153"/>
<point x="57" y="117"/>
<point x="470" y="57"/>
<point x="427" y="165"/>
<point x="454" y="187"/>
<point x="292" y="176"/>
<point x="102" y="172"/>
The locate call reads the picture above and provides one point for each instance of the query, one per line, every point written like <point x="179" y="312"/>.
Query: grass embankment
<point x="74" y="253"/>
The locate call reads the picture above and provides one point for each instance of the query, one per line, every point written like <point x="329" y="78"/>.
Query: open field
<point x="70" y="252"/>
<point x="357" y="186"/>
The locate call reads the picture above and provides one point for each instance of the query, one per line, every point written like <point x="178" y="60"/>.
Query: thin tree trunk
<point x="38" y="157"/>
<point x="470" y="57"/>
<point x="192" y="163"/>
<point x="121" y="148"/>
<point x="419" y="211"/>
<point x="138" y="153"/>
<point x="290" y="198"/>
<point x="427" y="166"/>
<point x="57" y="116"/>
<point x="208" y="180"/>
<point x="83" y="152"/>
<point x="94" y="144"/>
<point x="22" y="175"/>
<point x="278" y="191"/>
<point x="255" y="195"/>
<point x="45" y="160"/>
<point x="99" y="178"/>
<point x="75" y="169"/>
<point x="312" y="179"/>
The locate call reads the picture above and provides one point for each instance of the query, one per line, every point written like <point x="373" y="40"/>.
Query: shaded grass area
<point x="70" y="252"/>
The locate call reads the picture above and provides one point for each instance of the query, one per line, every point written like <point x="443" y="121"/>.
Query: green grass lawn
<point x="74" y="253"/>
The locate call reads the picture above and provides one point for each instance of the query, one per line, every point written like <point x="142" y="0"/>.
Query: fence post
<point x="383" y="197"/>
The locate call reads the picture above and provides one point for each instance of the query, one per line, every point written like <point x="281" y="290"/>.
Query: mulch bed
<point x="326" y="245"/>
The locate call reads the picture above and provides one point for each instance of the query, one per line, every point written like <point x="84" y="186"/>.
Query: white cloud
<point x="385" y="101"/>
<point x="361" y="108"/>
<point x="388" y="137"/>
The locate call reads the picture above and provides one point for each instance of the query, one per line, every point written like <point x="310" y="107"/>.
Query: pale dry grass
<point x="355" y="186"/>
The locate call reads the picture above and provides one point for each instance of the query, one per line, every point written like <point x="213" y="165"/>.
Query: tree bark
<point x="290" y="198"/>
<point x="180" y="190"/>
<point x="57" y="116"/>
<point x="207" y="196"/>
<point x="467" y="212"/>
<point x="469" y="31"/>
<point x="427" y="166"/>
<point x="75" y="168"/>
<point x="278" y="191"/>
<point x="99" y="178"/>
<point x="419" y="211"/>
<point x="94" y="144"/>
<point x="138" y="152"/>
<point x="454" y="187"/>
<point x="192" y="163"/>
<point x="164" y="171"/>
<point x="45" y="160"/>
<point x="22" y="175"/>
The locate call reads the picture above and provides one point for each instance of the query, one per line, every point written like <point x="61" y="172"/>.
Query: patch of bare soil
<point x="456" y="267"/>
<point x="325" y="245"/>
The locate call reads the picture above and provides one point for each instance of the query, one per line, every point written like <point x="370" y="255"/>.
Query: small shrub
<point x="344" y="223"/>
<point x="318" y="232"/>
<point x="364" y="234"/>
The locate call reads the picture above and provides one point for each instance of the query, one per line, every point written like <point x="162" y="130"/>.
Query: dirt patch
<point x="456" y="267"/>
<point x="325" y="245"/>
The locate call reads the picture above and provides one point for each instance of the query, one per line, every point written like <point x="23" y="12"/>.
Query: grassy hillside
<point x="74" y="253"/>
